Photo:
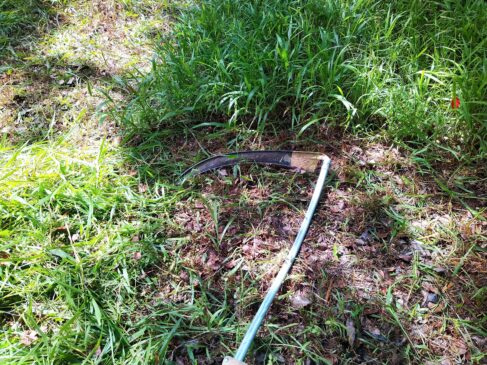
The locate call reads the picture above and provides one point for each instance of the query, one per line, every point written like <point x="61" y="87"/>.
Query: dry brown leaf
<point x="351" y="331"/>
<point x="300" y="300"/>
<point x="143" y="188"/>
<point x="28" y="337"/>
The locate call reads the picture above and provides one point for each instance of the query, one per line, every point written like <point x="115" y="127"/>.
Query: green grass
<point x="62" y="223"/>
<point x="104" y="260"/>
<point x="18" y="17"/>
<point x="83" y="246"/>
<point x="392" y="67"/>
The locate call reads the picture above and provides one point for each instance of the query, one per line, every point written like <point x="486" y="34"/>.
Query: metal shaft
<point x="286" y="266"/>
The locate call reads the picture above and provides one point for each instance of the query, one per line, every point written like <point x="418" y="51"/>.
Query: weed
<point x="359" y="64"/>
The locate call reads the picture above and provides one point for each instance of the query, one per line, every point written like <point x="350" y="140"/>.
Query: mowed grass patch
<point x="393" y="67"/>
<point x="62" y="58"/>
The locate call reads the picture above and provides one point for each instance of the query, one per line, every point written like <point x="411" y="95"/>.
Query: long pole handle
<point x="286" y="266"/>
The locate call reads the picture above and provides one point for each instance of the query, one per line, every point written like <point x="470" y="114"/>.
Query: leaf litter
<point x="358" y="253"/>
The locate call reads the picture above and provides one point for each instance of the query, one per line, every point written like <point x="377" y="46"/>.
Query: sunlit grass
<point x="369" y="66"/>
<point x="99" y="258"/>
<point x="78" y="238"/>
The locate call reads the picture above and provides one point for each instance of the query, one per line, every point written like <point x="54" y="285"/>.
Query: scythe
<point x="307" y="161"/>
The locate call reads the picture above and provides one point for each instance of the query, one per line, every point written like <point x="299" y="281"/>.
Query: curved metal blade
<point x="308" y="161"/>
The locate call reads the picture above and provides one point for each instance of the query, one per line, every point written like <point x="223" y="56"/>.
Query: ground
<point x="104" y="259"/>
<point x="55" y="76"/>
<point x="385" y="245"/>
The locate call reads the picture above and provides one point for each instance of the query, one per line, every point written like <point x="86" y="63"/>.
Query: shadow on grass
<point x="21" y="20"/>
<point x="45" y="91"/>
<point x="23" y="24"/>
<point x="42" y="101"/>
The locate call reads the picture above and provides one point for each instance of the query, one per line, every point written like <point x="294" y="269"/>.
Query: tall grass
<point x="358" y="63"/>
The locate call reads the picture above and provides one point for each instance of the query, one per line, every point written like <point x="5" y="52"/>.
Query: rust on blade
<point x="308" y="161"/>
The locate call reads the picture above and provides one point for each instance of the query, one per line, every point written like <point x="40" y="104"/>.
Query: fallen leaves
<point x="28" y="337"/>
<point x="143" y="188"/>
<point x="373" y="259"/>
<point x="351" y="332"/>
<point x="300" y="300"/>
<point x="448" y="345"/>
<point x="213" y="261"/>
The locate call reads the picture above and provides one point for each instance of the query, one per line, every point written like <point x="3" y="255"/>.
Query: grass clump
<point x="361" y="64"/>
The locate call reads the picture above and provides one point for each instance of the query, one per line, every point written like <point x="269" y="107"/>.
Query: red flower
<point x="455" y="103"/>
